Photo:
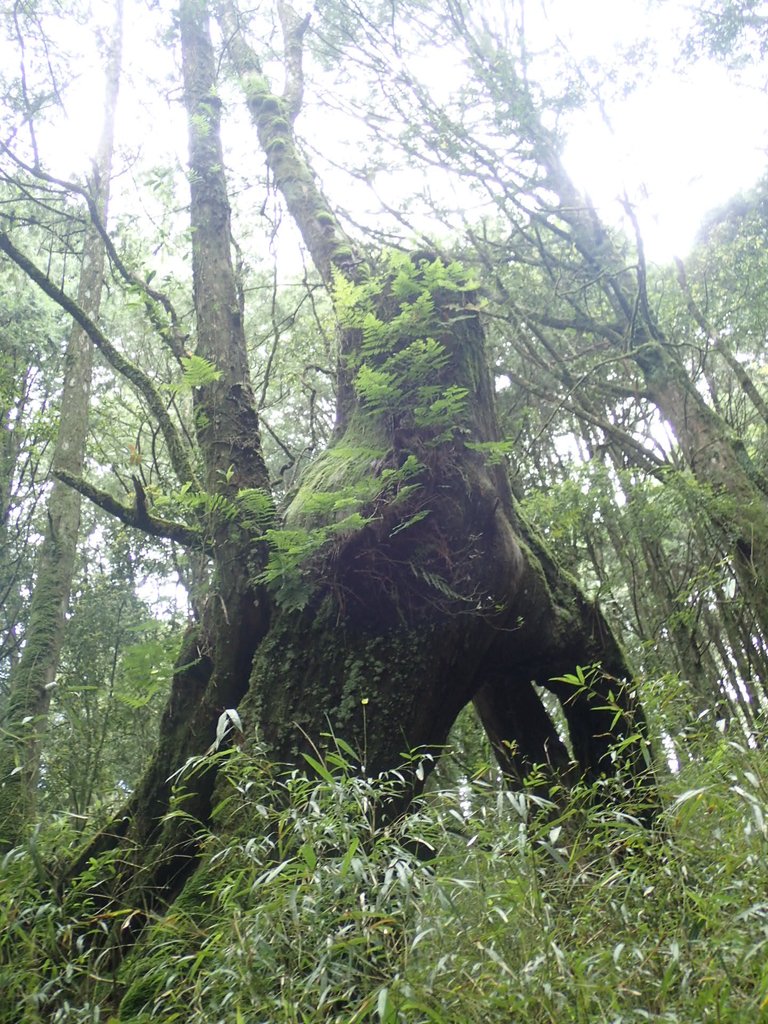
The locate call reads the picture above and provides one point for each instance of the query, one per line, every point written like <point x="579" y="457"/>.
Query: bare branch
<point x="169" y="331"/>
<point x="719" y="345"/>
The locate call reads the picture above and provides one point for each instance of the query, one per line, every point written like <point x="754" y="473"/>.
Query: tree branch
<point x="329" y="246"/>
<point x="125" y="367"/>
<point x="294" y="28"/>
<point x="170" y="333"/>
<point x="137" y="515"/>
<point x="719" y="345"/>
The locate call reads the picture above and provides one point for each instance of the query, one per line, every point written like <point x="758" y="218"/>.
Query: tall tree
<point x="435" y="422"/>
<point x="402" y="582"/>
<point x="31" y="679"/>
<point x="590" y="288"/>
<point x="24" y="399"/>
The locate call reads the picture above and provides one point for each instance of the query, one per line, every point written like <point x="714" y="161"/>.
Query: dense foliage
<point x="523" y="910"/>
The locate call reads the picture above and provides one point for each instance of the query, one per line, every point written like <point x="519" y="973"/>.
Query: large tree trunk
<point x="442" y="597"/>
<point x="421" y="590"/>
<point x="438" y="597"/>
<point x="33" y="676"/>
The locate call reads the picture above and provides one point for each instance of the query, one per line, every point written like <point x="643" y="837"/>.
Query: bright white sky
<point x="682" y="143"/>
<point x="684" y="148"/>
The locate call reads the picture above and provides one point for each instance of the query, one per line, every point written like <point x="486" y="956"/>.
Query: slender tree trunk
<point x="11" y="424"/>
<point x="34" y="675"/>
<point x="215" y="662"/>
<point x="716" y="456"/>
<point x="217" y="657"/>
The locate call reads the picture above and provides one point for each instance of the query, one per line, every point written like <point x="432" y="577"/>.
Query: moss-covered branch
<point x="136" y="515"/>
<point x="273" y="116"/>
<point x="177" y="450"/>
<point x="294" y="28"/>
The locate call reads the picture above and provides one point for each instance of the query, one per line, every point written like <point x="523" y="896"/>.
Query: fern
<point x="445" y="411"/>
<point x="494" y="451"/>
<point x="290" y="572"/>
<point x="421" y="360"/>
<point x="400" y="363"/>
<point x="378" y="389"/>
<point x="453" y="277"/>
<point x="257" y="508"/>
<point x="376" y="338"/>
<point x="197" y="373"/>
<point x="439" y="584"/>
<point x="219" y="505"/>
<point x="410" y="521"/>
<point x="351" y="301"/>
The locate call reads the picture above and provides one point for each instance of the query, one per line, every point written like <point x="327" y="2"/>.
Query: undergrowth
<point x="482" y="905"/>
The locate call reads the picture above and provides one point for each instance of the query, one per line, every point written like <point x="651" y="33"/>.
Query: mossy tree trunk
<point x="214" y="664"/>
<point x="432" y="593"/>
<point x="403" y="584"/>
<point x="29" y="687"/>
<point x="442" y="596"/>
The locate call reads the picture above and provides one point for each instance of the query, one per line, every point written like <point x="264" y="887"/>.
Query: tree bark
<point x="34" y="675"/>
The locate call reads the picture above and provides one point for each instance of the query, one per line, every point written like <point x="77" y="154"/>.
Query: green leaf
<point x="319" y="767"/>
<point x="197" y="372"/>
<point x="384" y="1008"/>
<point x="416" y="518"/>
<point x="378" y="389"/>
<point x="257" y="508"/>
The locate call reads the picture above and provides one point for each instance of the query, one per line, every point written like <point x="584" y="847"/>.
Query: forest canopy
<point x="384" y="522"/>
